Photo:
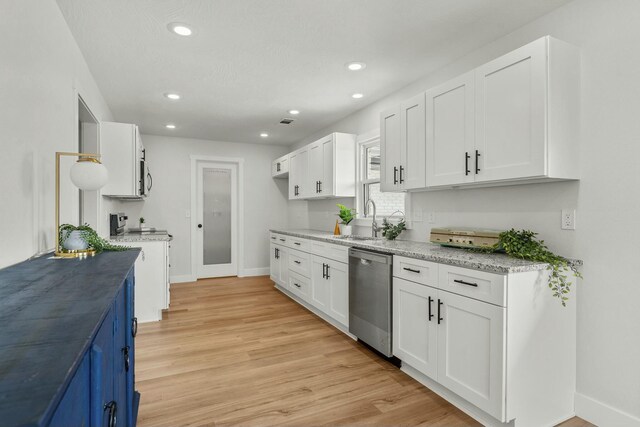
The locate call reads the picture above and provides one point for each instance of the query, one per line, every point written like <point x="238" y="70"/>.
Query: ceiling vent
<point x="286" y="121"/>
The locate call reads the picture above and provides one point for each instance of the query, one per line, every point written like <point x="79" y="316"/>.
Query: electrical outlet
<point x="431" y="217"/>
<point x="568" y="219"/>
<point x="417" y="215"/>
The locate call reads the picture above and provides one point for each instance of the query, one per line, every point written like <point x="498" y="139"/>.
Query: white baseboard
<point x="601" y="414"/>
<point x="248" y="272"/>
<point x="182" y="278"/>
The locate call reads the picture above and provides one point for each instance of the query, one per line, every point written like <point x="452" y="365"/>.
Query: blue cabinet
<point x="101" y="392"/>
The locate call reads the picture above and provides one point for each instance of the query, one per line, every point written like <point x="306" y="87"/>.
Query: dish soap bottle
<point x="336" y="230"/>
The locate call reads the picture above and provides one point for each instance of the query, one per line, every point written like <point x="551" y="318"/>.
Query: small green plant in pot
<point x="346" y="216"/>
<point x="81" y="237"/>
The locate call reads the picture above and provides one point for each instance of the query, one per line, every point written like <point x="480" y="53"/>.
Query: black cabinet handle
<point x="401" y="178"/>
<point x="112" y="407"/>
<point x="125" y="355"/>
<point x="278" y="167"/>
<point x="411" y="270"/>
<point x="430" y="315"/>
<point x="297" y="262"/>
<point x="324" y="267"/>
<point x="319" y="186"/>
<point x="296" y="285"/>
<point x="199" y="225"/>
<point x="466" y="163"/>
<point x="462" y="282"/>
<point x="283" y="240"/>
<point x="277" y="253"/>
<point x="297" y="243"/>
<point x="477" y="162"/>
<point x="395" y="175"/>
<point x="440" y="319"/>
<point x="273" y="237"/>
<point x="327" y="276"/>
<point x="134" y="327"/>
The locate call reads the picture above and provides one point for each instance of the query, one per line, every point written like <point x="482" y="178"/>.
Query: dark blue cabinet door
<point x="73" y="409"/>
<point x="132" y="328"/>
<point x="121" y="355"/>
<point x="102" y="370"/>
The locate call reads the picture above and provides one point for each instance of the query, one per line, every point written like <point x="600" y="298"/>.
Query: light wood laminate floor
<point x="238" y="352"/>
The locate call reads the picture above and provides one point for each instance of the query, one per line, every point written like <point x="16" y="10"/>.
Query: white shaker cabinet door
<point x="415" y="327"/>
<point x="511" y="96"/>
<point x="390" y="150"/>
<point x="274" y="263"/>
<point x="471" y="351"/>
<point x="411" y="173"/>
<point x="450" y="132"/>
<point x="319" y="285"/>
<point x="283" y="268"/>
<point x="338" y="278"/>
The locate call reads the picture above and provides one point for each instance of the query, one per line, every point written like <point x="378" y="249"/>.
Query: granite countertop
<point x="142" y="237"/>
<point x="50" y="309"/>
<point x="494" y="263"/>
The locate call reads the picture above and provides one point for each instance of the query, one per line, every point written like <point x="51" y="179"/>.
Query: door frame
<point x="239" y="162"/>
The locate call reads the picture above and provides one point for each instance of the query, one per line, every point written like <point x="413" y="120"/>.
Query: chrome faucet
<point x="374" y="224"/>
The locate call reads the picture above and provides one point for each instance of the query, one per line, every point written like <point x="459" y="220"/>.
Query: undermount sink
<point x="359" y="238"/>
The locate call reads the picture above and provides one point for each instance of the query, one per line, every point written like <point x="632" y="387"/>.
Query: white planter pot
<point x="346" y="230"/>
<point x="74" y="241"/>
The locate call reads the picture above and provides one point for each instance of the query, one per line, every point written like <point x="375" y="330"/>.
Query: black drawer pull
<point x="324" y="270"/>
<point x="411" y="270"/>
<point x="462" y="282"/>
<point x="466" y="163"/>
<point x="297" y="243"/>
<point x="477" y="162"/>
<point x="327" y="276"/>
<point x="401" y="178"/>
<point x="296" y="285"/>
<point x="273" y="238"/>
<point x="297" y="262"/>
<point x="430" y="315"/>
<point x="395" y="175"/>
<point x="112" y="407"/>
<point x="440" y="319"/>
<point x="127" y="360"/>
<point x="134" y="327"/>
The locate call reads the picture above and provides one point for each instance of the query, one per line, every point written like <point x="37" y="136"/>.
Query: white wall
<point x="41" y="67"/>
<point x="165" y="208"/>
<point x="607" y="197"/>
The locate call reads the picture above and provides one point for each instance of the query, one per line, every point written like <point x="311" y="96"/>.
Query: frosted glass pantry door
<point x="217" y="219"/>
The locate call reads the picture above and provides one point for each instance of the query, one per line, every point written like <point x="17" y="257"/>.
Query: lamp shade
<point x="89" y="174"/>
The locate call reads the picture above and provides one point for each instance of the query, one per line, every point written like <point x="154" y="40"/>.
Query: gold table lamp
<point x="88" y="173"/>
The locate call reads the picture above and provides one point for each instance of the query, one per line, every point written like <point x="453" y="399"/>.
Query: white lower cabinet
<point x="152" y="281"/>
<point x="279" y="264"/>
<point x="338" y="277"/>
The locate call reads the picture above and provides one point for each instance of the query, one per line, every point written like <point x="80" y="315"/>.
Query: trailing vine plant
<point x="391" y="231"/>
<point x="90" y="236"/>
<point x="523" y="244"/>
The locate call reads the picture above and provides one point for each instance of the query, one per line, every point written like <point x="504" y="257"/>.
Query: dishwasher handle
<point x="368" y="257"/>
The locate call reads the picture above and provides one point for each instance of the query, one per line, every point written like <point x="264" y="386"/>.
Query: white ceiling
<point x="249" y="61"/>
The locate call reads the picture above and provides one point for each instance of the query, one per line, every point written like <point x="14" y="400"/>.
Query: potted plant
<point x="391" y="231"/>
<point x="141" y="223"/>
<point x="82" y="237"/>
<point x="346" y="215"/>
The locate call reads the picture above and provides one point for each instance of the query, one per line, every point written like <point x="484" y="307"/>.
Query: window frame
<point x="363" y="142"/>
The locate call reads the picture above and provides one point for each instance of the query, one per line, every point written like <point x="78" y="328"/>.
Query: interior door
<point x="412" y="143"/>
<point x="450" y="132"/>
<point x="217" y="219"/>
<point x="511" y="114"/>
<point x="389" y="149"/>
<point x="415" y="326"/>
<point x="471" y="351"/>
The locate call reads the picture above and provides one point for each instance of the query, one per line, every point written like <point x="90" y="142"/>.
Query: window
<point x="369" y="182"/>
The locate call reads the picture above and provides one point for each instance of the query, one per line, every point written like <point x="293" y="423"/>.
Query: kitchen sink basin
<point x="359" y="238"/>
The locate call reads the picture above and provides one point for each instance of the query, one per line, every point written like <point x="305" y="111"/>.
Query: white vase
<point x="75" y="242"/>
<point x="346" y="230"/>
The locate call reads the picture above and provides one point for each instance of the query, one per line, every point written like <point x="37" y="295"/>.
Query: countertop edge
<point x="329" y="238"/>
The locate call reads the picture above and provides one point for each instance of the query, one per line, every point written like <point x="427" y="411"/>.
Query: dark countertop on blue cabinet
<point x="49" y="311"/>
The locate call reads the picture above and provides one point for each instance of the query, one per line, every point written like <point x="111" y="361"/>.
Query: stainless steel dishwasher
<point x="370" y="298"/>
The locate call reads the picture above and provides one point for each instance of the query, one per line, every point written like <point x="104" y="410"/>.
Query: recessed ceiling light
<point x="357" y="95"/>
<point x="356" y="66"/>
<point x="172" y="96"/>
<point x="294" y="112"/>
<point x="170" y="126"/>
<point x="264" y="135"/>
<point x="180" y="29"/>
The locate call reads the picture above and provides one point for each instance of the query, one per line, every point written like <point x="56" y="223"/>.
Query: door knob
<point x="199" y="225"/>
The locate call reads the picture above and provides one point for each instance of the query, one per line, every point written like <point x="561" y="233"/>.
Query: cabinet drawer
<point x="279" y="239"/>
<point x="299" y="244"/>
<point x="488" y="287"/>
<point x="329" y="250"/>
<point x="300" y="262"/>
<point x="299" y="285"/>
<point x="416" y="270"/>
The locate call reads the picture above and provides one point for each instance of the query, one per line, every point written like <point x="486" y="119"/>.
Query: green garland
<point x="90" y="236"/>
<point x="523" y="244"/>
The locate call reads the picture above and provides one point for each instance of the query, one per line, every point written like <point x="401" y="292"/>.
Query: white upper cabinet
<point x="402" y="146"/>
<point x="450" y="132"/>
<point x="330" y="168"/>
<point x="299" y="182"/>
<point x="280" y="167"/>
<point x="411" y="171"/>
<point x="121" y="153"/>
<point x="389" y="149"/>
